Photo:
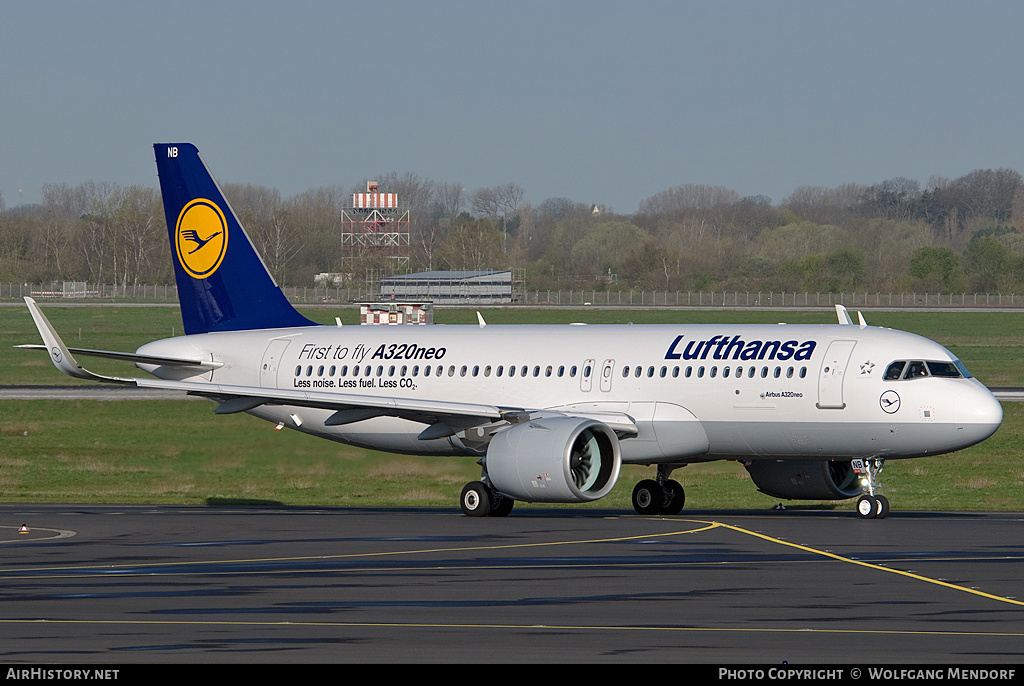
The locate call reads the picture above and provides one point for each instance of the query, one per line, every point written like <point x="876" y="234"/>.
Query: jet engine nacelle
<point x="805" y="479"/>
<point x="554" y="460"/>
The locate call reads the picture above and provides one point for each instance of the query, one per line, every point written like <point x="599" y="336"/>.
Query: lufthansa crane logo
<point x="201" y="238"/>
<point x="890" y="402"/>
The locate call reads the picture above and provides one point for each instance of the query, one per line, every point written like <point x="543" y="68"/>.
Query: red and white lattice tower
<point x="375" y="234"/>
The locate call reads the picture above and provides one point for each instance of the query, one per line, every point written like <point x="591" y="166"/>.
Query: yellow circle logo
<point x="201" y="238"/>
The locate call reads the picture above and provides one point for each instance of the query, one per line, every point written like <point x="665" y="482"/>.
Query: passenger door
<point x="833" y="371"/>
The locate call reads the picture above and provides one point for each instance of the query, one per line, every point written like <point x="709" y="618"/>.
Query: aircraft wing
<point x="348" y="407"/>
<point x="135" y="357"/>
<point x="444" y="418"/>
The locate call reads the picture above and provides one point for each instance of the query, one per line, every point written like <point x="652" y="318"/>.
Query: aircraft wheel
<point x="475" y="500"/>
<point x="648" y="497"/>
<point x="883" y="507"/>
<point x="676" y="498"/>
<point x="501" y="507"/>
<point x="867" y="507"/>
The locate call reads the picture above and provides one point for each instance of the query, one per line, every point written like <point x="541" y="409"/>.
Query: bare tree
<point x="135" y="230"/>
<point x="63" y="205"/>
<point x="499" y="201"/>
<point x="688" y="197"/>
<point x="449" y="200"/>
<point x="265" y="218"/>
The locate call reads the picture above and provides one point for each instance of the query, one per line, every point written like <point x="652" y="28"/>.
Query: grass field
<point x="180" y="452"/>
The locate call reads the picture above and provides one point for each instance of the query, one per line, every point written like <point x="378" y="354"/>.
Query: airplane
<point x="550" y="412"/>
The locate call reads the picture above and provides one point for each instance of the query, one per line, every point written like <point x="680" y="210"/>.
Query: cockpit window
<point x="895" y="370"/>
<point x="946" y="369"/>
<point x="917" y="369"/>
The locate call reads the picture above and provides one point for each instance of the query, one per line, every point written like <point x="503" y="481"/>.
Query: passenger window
<point x="625" y="371"/>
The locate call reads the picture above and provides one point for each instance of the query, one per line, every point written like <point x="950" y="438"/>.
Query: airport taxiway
<point x="128" y="584"/>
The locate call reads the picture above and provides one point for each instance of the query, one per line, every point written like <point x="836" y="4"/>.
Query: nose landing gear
<point x="871" y="505"/>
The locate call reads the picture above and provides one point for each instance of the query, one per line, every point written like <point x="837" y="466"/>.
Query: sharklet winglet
<point x="59" y="353"/>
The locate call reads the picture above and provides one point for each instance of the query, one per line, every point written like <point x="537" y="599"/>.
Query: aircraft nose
<point x="977" y="413"/>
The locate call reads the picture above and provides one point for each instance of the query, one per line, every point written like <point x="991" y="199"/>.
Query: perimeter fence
<point x="168" y="293"/>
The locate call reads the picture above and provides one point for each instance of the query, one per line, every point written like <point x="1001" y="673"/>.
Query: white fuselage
<point x="695" y="392"/>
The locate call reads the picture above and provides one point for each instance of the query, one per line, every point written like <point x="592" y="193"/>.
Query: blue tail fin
<point x="223" y="284"/>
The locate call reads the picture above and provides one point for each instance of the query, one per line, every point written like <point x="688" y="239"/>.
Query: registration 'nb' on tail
<point x="223" y="284"/>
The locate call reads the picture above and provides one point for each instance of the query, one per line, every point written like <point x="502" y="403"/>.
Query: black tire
<point x="475" y="500"/>
<point x="675" y="497"/>
<point x="867" y="507"/>
<point x="883" y="507"/>
<point x="501" y="507"/>
<point x="648" y="497"/>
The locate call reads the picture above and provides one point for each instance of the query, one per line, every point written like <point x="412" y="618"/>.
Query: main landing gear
<point x="659" y="496"/>
<point x="871" y="505"/>
<point x="480" y="500"/>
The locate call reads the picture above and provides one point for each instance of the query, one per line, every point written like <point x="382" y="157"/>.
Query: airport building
<point x="454" y="287"/>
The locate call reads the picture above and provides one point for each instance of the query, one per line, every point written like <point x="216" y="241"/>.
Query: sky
<point x="596" y="101"/>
